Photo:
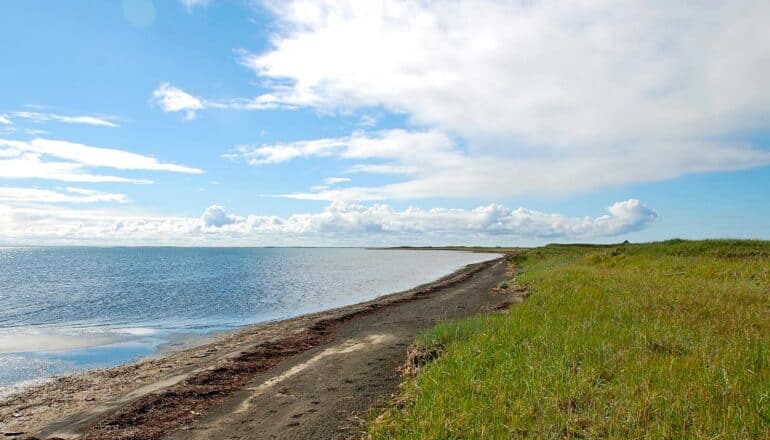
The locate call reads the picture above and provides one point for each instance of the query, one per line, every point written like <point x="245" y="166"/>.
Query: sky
<point x="347" y="123"/>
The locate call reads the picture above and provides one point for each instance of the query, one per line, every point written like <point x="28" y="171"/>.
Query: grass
<point x="485" y="249"/>
<point x="659" y="340"/>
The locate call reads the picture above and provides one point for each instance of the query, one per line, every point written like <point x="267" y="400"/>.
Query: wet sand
<point x="313" y="376"/>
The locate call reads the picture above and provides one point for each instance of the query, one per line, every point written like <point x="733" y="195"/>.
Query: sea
<point x="67" y="309"/>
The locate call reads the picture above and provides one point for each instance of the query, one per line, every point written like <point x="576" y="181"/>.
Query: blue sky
<point x="326" y="123"/>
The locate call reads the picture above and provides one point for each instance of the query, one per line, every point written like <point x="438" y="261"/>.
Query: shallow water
<point x="67" y="309"/>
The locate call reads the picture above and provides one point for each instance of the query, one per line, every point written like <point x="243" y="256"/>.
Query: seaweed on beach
<point x="154" y="415"/>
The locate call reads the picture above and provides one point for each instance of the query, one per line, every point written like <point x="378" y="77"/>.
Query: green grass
<point x="498" y="249"/>
<point x="659" y="340"/>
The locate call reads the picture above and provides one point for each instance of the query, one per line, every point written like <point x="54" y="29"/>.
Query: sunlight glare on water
<point x="71" y="308"/>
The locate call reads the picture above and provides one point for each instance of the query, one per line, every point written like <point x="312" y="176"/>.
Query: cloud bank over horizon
<point x="338" y="223"/>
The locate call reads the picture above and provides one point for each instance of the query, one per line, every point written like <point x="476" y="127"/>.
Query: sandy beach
<point x="309" y="376"/>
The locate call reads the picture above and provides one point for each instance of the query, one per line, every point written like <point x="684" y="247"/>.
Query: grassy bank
<point x="660" y="340"/>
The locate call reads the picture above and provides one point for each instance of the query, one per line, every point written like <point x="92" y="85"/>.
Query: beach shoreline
<point x="78" y="400"/>
<point x="115" y="306"/>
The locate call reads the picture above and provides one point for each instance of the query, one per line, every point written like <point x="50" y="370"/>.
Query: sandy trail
<point x="314" y="376"/>
<point x="325" y="392"/>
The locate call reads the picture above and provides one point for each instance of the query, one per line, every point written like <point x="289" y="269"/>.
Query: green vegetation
<point x="660" y="340"/>
<point x="485" y="249"/>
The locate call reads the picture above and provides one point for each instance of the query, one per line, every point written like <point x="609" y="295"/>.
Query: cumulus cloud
<point x="542" y="72"/>
<point x="98" y="120"/>
<point x="5" y="120"/>
<point x="576" y="96"/>
<point x="623" y="217"/>
<point x="33" y="159"/>
<point x="339" y="222"/>
<point x="216" y="216"/>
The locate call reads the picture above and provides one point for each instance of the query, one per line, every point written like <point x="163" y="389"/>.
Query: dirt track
<point x="323" y="393"/>
<point x="316" y="380"/>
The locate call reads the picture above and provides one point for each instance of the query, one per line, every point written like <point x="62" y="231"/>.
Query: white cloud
<point x="89" y="120"/>
<point x="31" y="166"/>
<point x="394" y="144"/>
<point x="6" y="125"/>
<point x="94" y="156"/>
<point x="66" y="195"/>
<point x="623" y="217"/>
<point x="537" y="72"/>
<point x="286" y="152"/>
<point x="339" y="222"/>
<point x="335" y="180"/>
<point x="102" y="157"/>
<point x="433" y="165"/>
<point x="172" y="99"/>
<point x="32" y="160"/>
<point x="100" y="120"/>
<point x="216" y="216"/>
<point x="541" y="97"/>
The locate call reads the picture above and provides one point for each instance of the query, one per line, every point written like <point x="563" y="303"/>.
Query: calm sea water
<point x="66" y="309"/>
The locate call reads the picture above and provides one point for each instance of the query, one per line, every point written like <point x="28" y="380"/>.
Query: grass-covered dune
<point x="659" y="340"/>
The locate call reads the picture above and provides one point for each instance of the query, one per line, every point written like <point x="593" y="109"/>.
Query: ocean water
<point x="68" y="309"/>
